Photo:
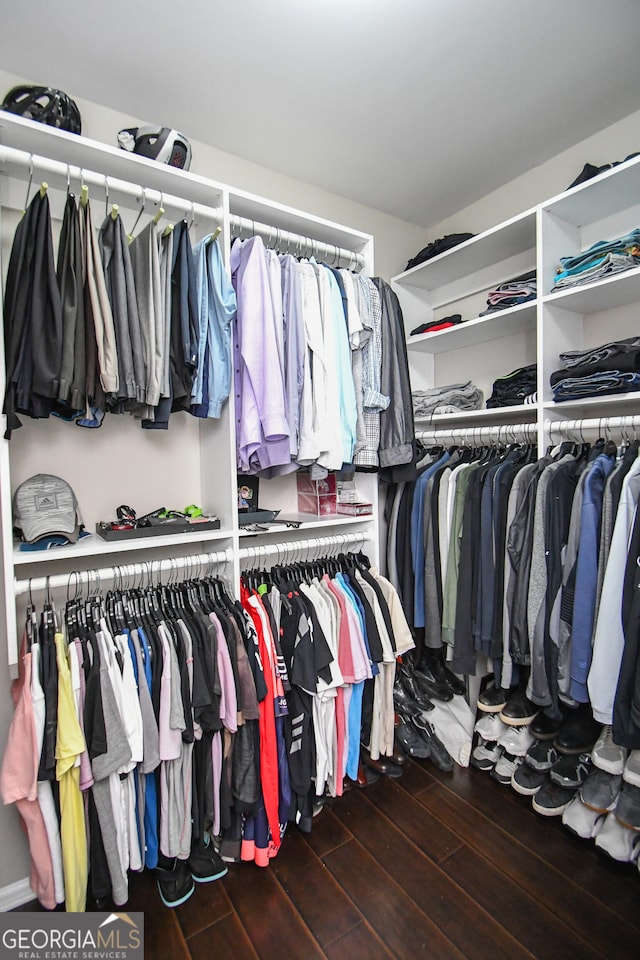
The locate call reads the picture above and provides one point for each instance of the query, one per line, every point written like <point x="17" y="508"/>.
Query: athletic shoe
<point x="439" y="755"/>
<point x="516" y="740"/>
<point x="505" y="768"/>
<point x="606" y="754"/>
<point x="541" y="755"/>
<point x="492" y="700"/>
<point x="618" y="842"/>
<point x="490" y="726"/>
<point x="579" y="732"/>
<point x="519" y="711"/>
<point x="430" y="679"/>
<point x="527" y="781"/>
<point x="175" y="885"/>
<point x="413" y="744"/>
<point x="582" y="820"/>
<point x="485" y="755"/>
<point x="544" y="728"/>
<point x="571" y="771"/>
<point x="205" y="864"/>
<point x="627" y="811"/>
<point x="552" y="800"/>
<point x="600" y="790"/>
<point x="632" y="768"/>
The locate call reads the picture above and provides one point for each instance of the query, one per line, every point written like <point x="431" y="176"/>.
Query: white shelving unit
<point x="483" y="348"/>
<point x="194" y="461"/>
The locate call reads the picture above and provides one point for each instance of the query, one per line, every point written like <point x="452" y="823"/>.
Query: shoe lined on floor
<point x="439" y="755"/>
<point x="600" y="790"/>
<point x="527" y="781"/>
<point x="505" y="767"/>
<point x="430" y="679"/>
<point x="544" y="727"/>
<point x="410" y="686"/>
<point x="516" y="740"/>
<point x="582" y="820"/>
<point x="627" y="811"/>
<point x="571" y="770"/>
<point x="411" y="742"/>
<point x="552" y="799"/>
<point x="606" y="754"/>
<point x="175" y="883"/>
<point x="541" y="755"/>
<point x="489" y="726"/>
<point x="631" y="772"/>
<point x="618" y="842"/>
<point x="519" y="710"/>
<point x="383" y="765"/>
<point x="492" y="700"/>
<point x="404" y="704"/>
<point x="579" y="732"/>
<point x="485" y="754"/>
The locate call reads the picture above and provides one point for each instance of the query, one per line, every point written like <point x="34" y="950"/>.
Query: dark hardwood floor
<point x="434" y="865"/>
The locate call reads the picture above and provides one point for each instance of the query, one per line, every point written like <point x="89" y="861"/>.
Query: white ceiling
<point x="414" y="107"/>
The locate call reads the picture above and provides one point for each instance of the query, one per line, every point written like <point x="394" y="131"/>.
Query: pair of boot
<point x="176" y="879"/>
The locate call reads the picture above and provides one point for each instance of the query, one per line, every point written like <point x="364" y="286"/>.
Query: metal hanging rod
<point x="595" y="424"/>
<point x="92" y="577"/>
<point x="308" y="547"/>
<point x="287" y="242"/>
<point x="500" y="432"/>
<point x="64" y="173"/>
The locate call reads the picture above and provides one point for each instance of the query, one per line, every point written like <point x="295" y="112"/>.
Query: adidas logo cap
<point x="44" y="506"/>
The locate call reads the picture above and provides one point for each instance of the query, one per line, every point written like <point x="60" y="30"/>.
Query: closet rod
<point x="597" y="424"/>
<point x="500" y="432"/>
<point x="92" y="577"/>
<point x="65" y="172"/>
<point x="287" y="242"/>
<point x="260" y="551"/>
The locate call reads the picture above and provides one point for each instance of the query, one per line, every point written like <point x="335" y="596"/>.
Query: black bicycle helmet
<point x="45" y="105"/>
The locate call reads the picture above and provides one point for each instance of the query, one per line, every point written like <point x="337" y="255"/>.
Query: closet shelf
<point x="83" y="153"/>
<point x="607" y="402"/>
<point x="610" y="192"/>
<point x="493" y="246"/>
<point x="615" y="291"/>
<point x="517" y="413"/>
<point x="307" y="522"/>
<point x="94" y="546"/>
<point x="502" y="323"/>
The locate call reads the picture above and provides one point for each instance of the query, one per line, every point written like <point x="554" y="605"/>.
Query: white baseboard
<point x="15" y="895"/>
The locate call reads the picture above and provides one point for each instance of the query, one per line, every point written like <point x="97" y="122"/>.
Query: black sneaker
<point x="404" y="703"/>
<point x="205" y="864"/>
<point x="571" y="771"/>
<point x="627" y="811"/>
<point x="518" y="711"/>
<point x="439" y="754"/>
<point x="579" y="732"/>
<point x="552" y="800"/>
<point x="541" y="755"/>
<point x="527" y="781"/>
<point x="413" y="744"/>
<point x="428" y="679"/>
<point x="492" y="700"/>
<point x="413" y="687"/>
<point x="175" y="884"/>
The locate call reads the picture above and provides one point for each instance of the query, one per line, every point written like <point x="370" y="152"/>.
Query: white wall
<point x="539" y="184"/>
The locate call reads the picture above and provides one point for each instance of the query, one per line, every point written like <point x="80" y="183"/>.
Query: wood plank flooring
<point x="434" y="865"/>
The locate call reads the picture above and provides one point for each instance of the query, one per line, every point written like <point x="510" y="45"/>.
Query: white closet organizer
<point x="484" y="348"/>
<point x="194" y="461"/>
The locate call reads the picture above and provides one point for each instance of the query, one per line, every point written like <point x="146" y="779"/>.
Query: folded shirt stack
<point x="511" y="293"/>
<point x="514" y="388"/>
<point x="432" y="325"/>
<point x="602" y="259"/>
<point x="612" y="367"/>
<point x="454" y="398"/>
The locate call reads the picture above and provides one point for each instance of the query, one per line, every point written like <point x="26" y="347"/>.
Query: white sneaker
<point x="490" y="726"/>
<point x="516" y="740"/>
<point x="485" y="755"/>
<point x="505" y="768"/>
<point x="581" y="820"/>
<point x="632" y="768"/>
<point x="606" y="754"/>
<point x="617" y="841"/>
